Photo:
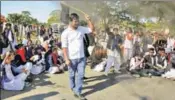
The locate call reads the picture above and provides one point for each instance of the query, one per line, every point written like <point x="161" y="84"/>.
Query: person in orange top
<point x="128" y="45"/>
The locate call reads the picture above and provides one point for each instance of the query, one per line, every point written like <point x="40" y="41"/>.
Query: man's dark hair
<point x="115" y="29"/>
<point x="161" y="49"/>
<point x="73" y="16"/>
<point x="151" y="49"/>
<point x="173" y="49"/>
<point x="8" y="24"/>
<point x="54" y="49"/>
<point x="107" y="29"/>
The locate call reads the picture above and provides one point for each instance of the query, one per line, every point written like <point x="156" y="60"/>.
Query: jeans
<point x="77" y="67"/>
<point x="28" y="66"/>
<point x="48" y="62"/>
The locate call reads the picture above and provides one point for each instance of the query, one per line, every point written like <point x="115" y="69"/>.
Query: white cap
<point x="150" y="46"/>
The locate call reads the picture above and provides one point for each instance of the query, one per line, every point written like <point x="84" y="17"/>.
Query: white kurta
<point x="38" y="67"/>
<point x="14" y="82"/>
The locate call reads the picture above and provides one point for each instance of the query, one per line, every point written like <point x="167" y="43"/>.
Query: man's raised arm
<point x="90" y="24"/>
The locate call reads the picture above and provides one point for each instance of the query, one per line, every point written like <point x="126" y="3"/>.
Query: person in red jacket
<point x="56" y="64"/>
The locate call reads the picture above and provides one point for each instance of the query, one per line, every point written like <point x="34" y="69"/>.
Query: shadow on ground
<point x="39" y="80"/>
<point x="141" y="97"/>
<point x="40" y="96"/>
<point x="107" y="81"/>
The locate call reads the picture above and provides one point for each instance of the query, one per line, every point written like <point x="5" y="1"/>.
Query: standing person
<point x="137" y="43"/>
<point x="8" y="37"/>
<point x="29" y="31"/>
<point x="73" y="50"/>
<point x="16" y="30"/>
<point x="42" y="31"/>
<point x="128" y="45"/>
<point x="114" y="51"/>
<point x="147" y="40"/>
<point x="50" y="31"/>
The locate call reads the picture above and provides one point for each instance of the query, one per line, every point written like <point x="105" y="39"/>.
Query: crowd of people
<point x="21" y="59"/>
<point x="143" y="54"/>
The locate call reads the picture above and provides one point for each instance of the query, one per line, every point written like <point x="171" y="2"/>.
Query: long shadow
<point x="39" y="82"/>
<point x="109" y="80"/>
<point x="142" y="97"/>
<point x="40" y="96"/>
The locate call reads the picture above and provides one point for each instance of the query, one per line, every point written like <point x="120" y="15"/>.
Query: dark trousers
<point x="146" y="72"/>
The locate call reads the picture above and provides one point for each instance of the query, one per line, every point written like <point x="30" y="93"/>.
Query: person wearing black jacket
<point x="86" y="45"/>
<point x="20" y="63"/>
<point x="8" y="37"/>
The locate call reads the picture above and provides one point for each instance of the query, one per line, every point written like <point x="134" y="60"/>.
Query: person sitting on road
<point x="10" y="81"/>
<point x="37" y="61"/>
<point x="20" y="62"/>
<point x="56" y="66"/>
<point x="136" y="65"/>
<point x="171" y="73"/>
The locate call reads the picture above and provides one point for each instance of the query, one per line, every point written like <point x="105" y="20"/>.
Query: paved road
<point x="98" y="87"/>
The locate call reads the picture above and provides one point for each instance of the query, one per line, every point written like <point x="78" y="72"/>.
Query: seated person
<point x="171" y="73"/>
<point x="98" y="53"/>
<point x="161" y="59"/>
<point x="38" y="45"/>
<point x="136" y="65"/>
<point x="149" y="59"/>
<point x="20" y="61"/>
<point x="29" y="53"/>
<point x="37" y="61"/>
<point x="9" y="80"/>
<point x="161" y="63"/>
<point x="56" y="63"/>
<point x="136" y="62"/>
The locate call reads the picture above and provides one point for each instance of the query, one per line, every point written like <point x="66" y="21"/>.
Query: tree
<point x="14" y="18"/>
<point x="26" y="13"/>
<point x="23" y="18"/>
<point x="54" y="17"/>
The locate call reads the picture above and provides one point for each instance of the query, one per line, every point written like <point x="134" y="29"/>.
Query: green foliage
<point x="54" y="17"/>
<point x="129" y="13"/>
<point x="23" y="18"/>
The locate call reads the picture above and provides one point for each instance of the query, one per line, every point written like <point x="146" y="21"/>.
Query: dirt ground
<point x="97" y="87"/>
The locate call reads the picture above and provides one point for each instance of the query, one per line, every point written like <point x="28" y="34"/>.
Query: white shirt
<point x="128" y="43"/>
<point x="170" y="42"/>
<point x="73" y="41"/>
<point x="8" y="71"/>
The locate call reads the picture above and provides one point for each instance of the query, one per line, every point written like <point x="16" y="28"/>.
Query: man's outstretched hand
<point x="87" y="17"/>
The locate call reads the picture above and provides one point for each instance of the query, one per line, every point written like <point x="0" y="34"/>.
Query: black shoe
<point x="80" y="97"/>
<point x="29" y="79"/>
<point x="85" y="78"/>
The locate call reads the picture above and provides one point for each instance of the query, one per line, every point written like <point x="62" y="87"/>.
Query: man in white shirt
<point x="73" y="50"/>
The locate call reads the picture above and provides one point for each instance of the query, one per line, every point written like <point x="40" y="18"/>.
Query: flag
<point x="64" y="14"/>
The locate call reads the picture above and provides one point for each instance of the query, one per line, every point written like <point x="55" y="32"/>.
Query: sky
<point x="38" y="9"/>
